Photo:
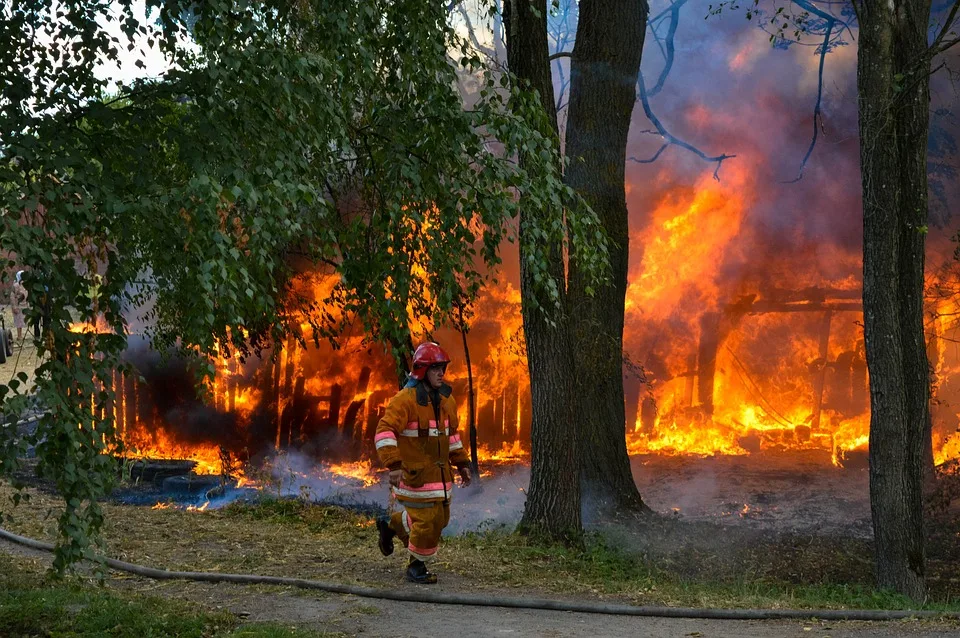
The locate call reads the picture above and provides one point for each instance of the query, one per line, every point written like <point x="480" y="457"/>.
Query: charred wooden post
<point x="276" y="405"/>
<point x="934" y="352"/>
<point x="291" y="415"/>
<point x="860" y="394"/>
<point x="130" y="400"/>
<point x="511" y="402"/>
<point x="486" y="427"/>
<point x="364" y="381"/>
<point x="648" y="416"/>
<point x="352" y="424"/>
<point x="689" y="381"/>
<point x="232" y="385"/>
<point x="707" y="359"/>
<point x="106" y="409"/>
<point x="144" y="407"/>
<point x="118" y="405"/>
<point x="334" y="399"/>
<point x="837" y="395"/>
<point x="497" y="426"/>
<point x="821" y="374"/>
<point x="298" y="410"/>
<point x="289" y="370"/>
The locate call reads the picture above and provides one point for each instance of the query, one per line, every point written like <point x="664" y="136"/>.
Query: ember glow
<point x="361" y="471"/>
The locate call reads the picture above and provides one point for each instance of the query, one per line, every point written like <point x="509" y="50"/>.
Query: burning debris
<point x="773" y="370"/>
<point x="728" y="357"/>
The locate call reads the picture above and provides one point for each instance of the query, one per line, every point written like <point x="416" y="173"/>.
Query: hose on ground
<point x="479" y="600"/>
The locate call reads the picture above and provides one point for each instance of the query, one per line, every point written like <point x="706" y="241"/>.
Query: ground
<point x="663" y="561"/>
<point x="353" y="616"/>
<point x="787" y="531"/>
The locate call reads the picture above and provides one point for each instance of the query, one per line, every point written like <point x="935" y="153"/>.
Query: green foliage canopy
<point x="284" y="136"/>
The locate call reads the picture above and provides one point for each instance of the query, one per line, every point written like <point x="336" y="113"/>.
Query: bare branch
<point x="817" y="112"/>
<point x="831" y="22"/>
<point x="561" y="54"/>
<point x="487" y="51"/>
<point x="564" y="83"/>
<point x="669" y="138"/>
<point x="656" y="37"/>
<point x="946" y="45"/>
<point x="674" y="12"/>
<point x="652" y="159"/>
<point x="938" y="41"/>
<point x="668" y="50"/>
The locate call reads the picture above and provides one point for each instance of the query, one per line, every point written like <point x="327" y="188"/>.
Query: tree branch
<point x="674" y="12"/>
<point x="667" y="49"/>
<point x="946" y="45"/>
<point x="831" y="22"/>
<point x="670" y="138"/>
<point x="652" y="159"/>
<point x="936" y="45"/>
<point x="490" y="53"/>
<point x="559" y="33"/>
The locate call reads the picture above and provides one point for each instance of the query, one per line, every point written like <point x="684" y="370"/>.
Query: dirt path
<point x="354" y="616"/>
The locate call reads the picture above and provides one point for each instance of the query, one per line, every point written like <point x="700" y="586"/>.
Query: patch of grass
<point x="604" y="570"/>
<point x="33" y="606"/>
<point x="675" y="563"/>
<point x="316" y="518"/>
<point x="29" y="605"/>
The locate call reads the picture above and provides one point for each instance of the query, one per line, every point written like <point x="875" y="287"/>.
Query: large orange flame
<point x="720" y="360"/>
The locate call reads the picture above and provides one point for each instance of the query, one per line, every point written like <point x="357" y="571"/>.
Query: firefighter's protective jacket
<point x="418" y="434"/>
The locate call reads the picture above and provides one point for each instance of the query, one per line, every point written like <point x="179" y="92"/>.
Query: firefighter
<point x="417" y="441"/>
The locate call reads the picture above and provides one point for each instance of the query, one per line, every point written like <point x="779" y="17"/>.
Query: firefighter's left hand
<point x="464" y="475"/>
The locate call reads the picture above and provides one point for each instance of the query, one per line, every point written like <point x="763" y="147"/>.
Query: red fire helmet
<point x="426" y="355"/>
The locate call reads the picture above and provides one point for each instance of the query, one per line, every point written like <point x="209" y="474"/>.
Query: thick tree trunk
<point x="553" y="499"/>
<point x="603" y="75"/>
<point x="893" y="86"/>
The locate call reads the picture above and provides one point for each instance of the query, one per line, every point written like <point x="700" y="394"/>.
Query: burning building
<point x="743" y="316"/>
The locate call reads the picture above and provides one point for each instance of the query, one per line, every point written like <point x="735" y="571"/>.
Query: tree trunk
<point x="603" y="75"/>
<point x="893" y="87"/>
<point x="553" y="500"/>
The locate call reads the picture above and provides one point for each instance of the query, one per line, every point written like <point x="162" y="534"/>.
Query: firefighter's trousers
<point x="419" y="526"/>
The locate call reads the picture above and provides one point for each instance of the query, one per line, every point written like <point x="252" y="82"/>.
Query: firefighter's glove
<point x="464" y="475"/>
<point x="394" y="477"/>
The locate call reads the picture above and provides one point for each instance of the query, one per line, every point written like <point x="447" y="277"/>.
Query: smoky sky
<point x="730" y="91"/>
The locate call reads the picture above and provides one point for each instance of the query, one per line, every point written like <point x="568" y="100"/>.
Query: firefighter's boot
<point x="385" y="541"/>
<point x="417" y="572"/>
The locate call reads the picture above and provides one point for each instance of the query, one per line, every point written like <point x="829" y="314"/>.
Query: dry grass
<point x="296" y="539"/>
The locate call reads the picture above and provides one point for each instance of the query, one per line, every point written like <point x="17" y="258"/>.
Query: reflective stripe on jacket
<point x="409" y="438"/>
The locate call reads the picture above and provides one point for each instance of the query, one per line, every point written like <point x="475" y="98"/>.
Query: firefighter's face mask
<point x="435" y="375"/>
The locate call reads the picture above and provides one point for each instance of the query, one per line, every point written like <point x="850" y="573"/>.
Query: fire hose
<point x="479" y="600"/>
